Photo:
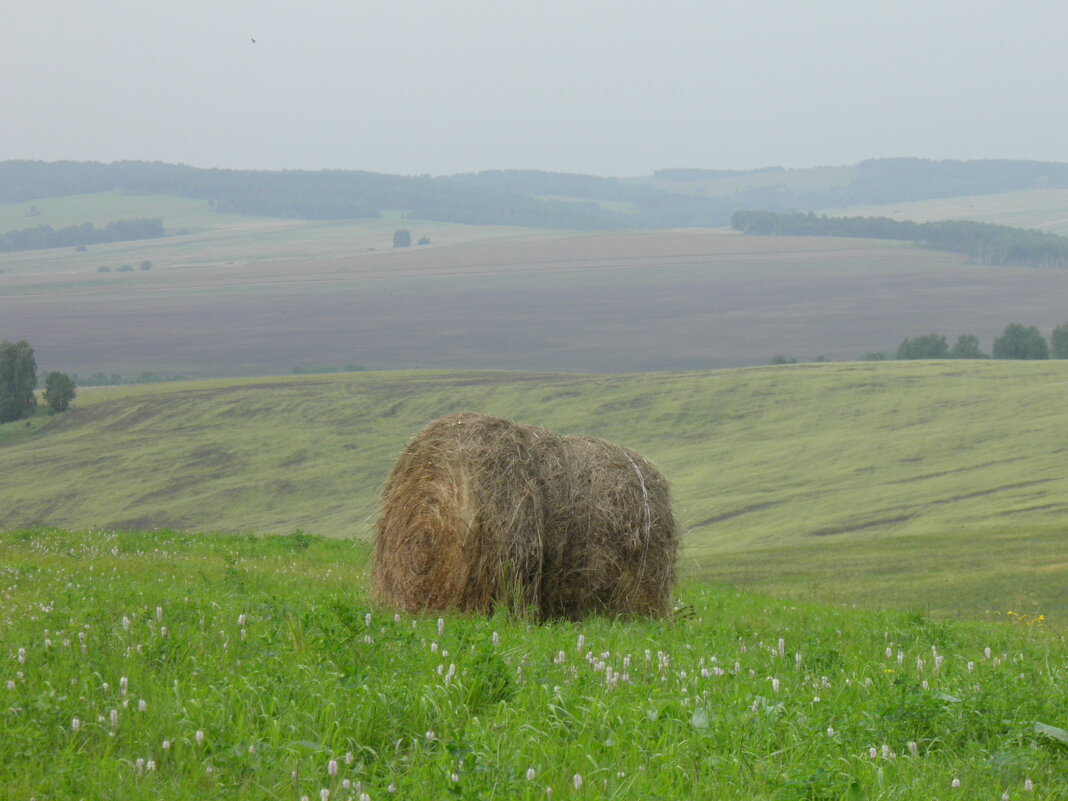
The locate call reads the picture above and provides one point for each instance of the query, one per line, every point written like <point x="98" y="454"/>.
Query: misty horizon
<point x="601" y="88"/>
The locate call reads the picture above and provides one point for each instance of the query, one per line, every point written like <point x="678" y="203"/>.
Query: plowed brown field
<point x="596" y="302"/>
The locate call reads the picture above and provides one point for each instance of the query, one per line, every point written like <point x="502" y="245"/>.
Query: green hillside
<point x="816" y="458"/>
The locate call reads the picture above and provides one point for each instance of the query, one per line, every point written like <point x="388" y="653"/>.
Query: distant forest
<point x="541" y="199"/>
<point x="984" y="243"/>
<point x="518" y="197"/>
<point x="45" y="236"/>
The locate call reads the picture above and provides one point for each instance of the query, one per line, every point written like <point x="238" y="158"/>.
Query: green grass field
<point x="158" y="665"/>
<point x="942" y="480"/>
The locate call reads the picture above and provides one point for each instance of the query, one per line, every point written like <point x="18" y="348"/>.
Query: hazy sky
<point x="610" y="87"/>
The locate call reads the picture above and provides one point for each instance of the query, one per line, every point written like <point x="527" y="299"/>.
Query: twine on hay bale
<point x="480" y="512"/>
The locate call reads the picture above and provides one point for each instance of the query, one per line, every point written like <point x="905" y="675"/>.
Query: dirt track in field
<point x="600" y="302"/>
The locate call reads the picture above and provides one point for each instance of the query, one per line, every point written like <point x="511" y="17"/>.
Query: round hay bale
<point x="480" y="512"/>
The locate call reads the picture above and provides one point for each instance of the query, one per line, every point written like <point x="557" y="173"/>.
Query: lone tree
<point x="1058" y="342"/>
<point x="402" y="238"/>
<point x="1019" y="342"/>
<point x="18" y="378"/>
<point x="59" y="391"/>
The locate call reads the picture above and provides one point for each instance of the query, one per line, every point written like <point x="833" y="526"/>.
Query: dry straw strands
<point x="480" y="512"/>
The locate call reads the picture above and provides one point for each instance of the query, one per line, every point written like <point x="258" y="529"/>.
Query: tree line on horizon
<point x="1018" y="342"/>
<point x="518" y="197"/>
<point x="494" y="197"/>
<point x="41" y="237"/>
<point x="983" y="243"/>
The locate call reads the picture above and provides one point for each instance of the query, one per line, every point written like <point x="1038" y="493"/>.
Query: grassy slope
<point x="873" y="462"/>
<point x="211" y="239"/>
<point x="235" y="668"/>
<point x="1043" y="209"/>
<point x="100" y="208"/>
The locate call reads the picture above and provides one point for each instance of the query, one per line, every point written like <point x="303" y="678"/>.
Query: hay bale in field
<point x="480" y="512"/>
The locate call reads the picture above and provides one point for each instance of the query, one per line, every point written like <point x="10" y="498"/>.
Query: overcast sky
<point x="609" y="87"/>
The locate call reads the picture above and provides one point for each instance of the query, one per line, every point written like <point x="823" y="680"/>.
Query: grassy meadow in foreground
<point x="136" y="665"/>
<point x="936" y="485"/>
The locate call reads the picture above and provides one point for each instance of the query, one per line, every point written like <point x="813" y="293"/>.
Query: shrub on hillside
<point x="967" y="347"/>
<point x="1058" y="342"/>
<point x="59" y="391"/>
<point x="926" y="346"/>
<point x="1020" y="342"/>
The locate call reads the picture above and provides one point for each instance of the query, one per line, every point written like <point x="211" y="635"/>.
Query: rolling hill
<point x="808" y="478"/>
